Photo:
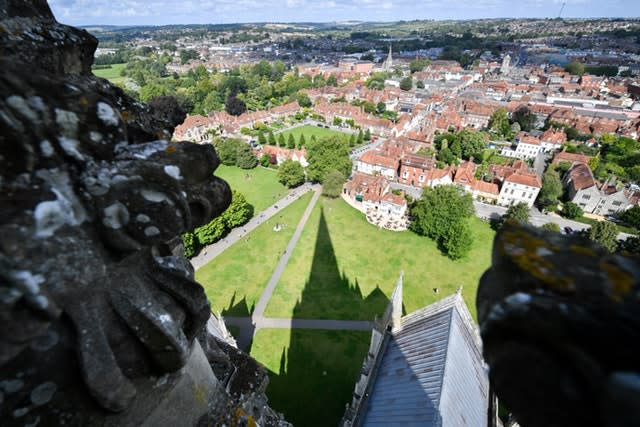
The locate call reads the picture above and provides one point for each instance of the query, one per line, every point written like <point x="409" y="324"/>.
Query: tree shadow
<point x="319" y="367"/>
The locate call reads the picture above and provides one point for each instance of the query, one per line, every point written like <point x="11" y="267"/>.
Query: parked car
<point x="568" y="230"/>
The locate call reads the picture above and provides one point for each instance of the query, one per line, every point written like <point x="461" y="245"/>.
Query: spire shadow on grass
<point x="318" y="369"/>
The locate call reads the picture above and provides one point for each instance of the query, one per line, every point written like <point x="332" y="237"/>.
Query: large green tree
<point x="332" y="184"/>
<point x="576" y="68"/>
<point x="632" y="216"/>
<point x="499" y="123"/>
<point x="571" y="210"/>
<point x="325" y="155"/>
<point x="519" y="213"/>
<point x="442" y="215"/>
<point x="605" y="233"/>
<point x="551" y="190"/>
<point x="245" y="157"/>
<point x="227" y="149"/>
<point x="290" y="173"/>
<point x="524" y="117"/>
<point x="406" y="83"/>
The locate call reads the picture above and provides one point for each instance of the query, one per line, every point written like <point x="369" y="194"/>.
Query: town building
<point x="594" y="197"/>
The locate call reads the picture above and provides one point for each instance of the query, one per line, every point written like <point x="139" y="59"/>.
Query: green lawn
<point x="260" y="185"/>
<point x="343" y="268"/>
<point x="235" y="280"/>
<point x="312" y="373"/>
<point x="112" y="74"/>
<point x="309" y="131"/>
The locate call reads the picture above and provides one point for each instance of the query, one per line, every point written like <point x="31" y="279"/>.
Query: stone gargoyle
<point x="93" y="305"/>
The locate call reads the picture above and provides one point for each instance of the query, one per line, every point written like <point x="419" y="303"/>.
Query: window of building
<point x="405" y="174"/>
<point x="618" y="203"/>
<point x="421" y="179"/>
<point x="586" y="197"/>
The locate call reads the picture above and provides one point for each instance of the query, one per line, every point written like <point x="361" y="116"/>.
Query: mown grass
<point x="260" y="186"/>
<point x="309" y="131"/>
<point x="343" y="267"/>
<point x="312" y="372"/>
<point x="112" y="74"/>
<point x="234" y="280"/>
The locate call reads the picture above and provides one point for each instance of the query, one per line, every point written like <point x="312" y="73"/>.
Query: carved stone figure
<point x="560" y="324"/>
<point x="98" y="320"/>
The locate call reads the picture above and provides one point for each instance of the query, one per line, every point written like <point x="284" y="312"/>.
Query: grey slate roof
<point x="432" y="373"/>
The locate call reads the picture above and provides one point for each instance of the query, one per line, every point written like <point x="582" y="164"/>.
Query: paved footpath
<point x="248" y="326"/>
<point x="210" y="252"/>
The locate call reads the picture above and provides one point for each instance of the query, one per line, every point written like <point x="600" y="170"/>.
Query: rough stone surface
<point x="98" y="318"/>
<point x="560" y="323"/>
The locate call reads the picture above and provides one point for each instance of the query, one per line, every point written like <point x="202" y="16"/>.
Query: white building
<point x="527" y="147"/>
<point x="520" y="187"/>
<point x="373" y="163"/>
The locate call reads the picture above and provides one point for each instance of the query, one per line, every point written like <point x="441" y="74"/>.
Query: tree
<point x="458" y="240"/>
<point x="190" y="244"/>
<point x="211" y="232"/>
<point x="551" y="190"/>
<point x="332" y="81"/>
<point x="238" y="212"/>
<point x="518" y="213"/>
<point x="574" y="67"/>
<point x="631" y="245"/>
<point x="442" y="215"/>
<point x="290" y="173"/>
<point x="360" y="139"/>
<point x="262" y="140"/>
<point x="235" y="106"/>
<point x="291" y="142"/>
<point x="367" y="135"/>
<point x="245" y="158"/>
<point x="472" y="143"/>
<point x="406" y="83"/>
<point x="605" y="233"/>
<point x="271" y="138"/>
<point x="302" y="141"/>
<point x="352" y="140"/>
<point x="524" y="117"/>
<point x="551" y="226"/>
<point x="187" y="55"/>
<point x="332" y="184"/>
<point x="304" y="100"/>
<point x="328" y="154"/>
<point x="632" y="216"/>
<point x="499" y="123"/>
<point x="418" y="65"/>
<point x="265" y="160"/>
<point x="571" y="210"/>
<point x="381" y="107"/>
<point x="420" y="84"/>
<point x="281" y="141"/>
<point x="227" y="150"/>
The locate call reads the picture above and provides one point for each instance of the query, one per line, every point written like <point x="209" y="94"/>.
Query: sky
<point x="165" y="12"/>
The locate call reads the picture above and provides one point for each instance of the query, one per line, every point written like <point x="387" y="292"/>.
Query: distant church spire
<point x="388" y="64"/>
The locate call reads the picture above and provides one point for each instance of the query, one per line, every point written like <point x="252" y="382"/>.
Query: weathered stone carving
<point x="560" y="323"/>
<point x="98" y="320"/>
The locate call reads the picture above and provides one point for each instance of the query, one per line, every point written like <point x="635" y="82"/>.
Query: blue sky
<point x="162" y="12"/>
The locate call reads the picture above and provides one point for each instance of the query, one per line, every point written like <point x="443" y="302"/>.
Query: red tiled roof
<point x="525" y="178"/>
<point x="581" y="176"/>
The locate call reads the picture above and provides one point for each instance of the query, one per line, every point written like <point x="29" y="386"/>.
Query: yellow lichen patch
<point x="84" y="101"/>
<point x="581" y="250"/>
<point x="171" y="149"/>
<point x="242" y="415"/>
<point x="529" y="257"/>
<point x="200" y="394"/>
<point x="621" y="281"/>
<point x="126" y="116"/>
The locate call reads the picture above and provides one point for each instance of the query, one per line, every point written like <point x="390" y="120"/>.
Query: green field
<point x="312" y="373"/>
<point x="260" y="185"/>
<point x="112" y="74"/>
<point x="235" y="280"/>
<point x="309" y="131"/>
<point x="345" y="268"/>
